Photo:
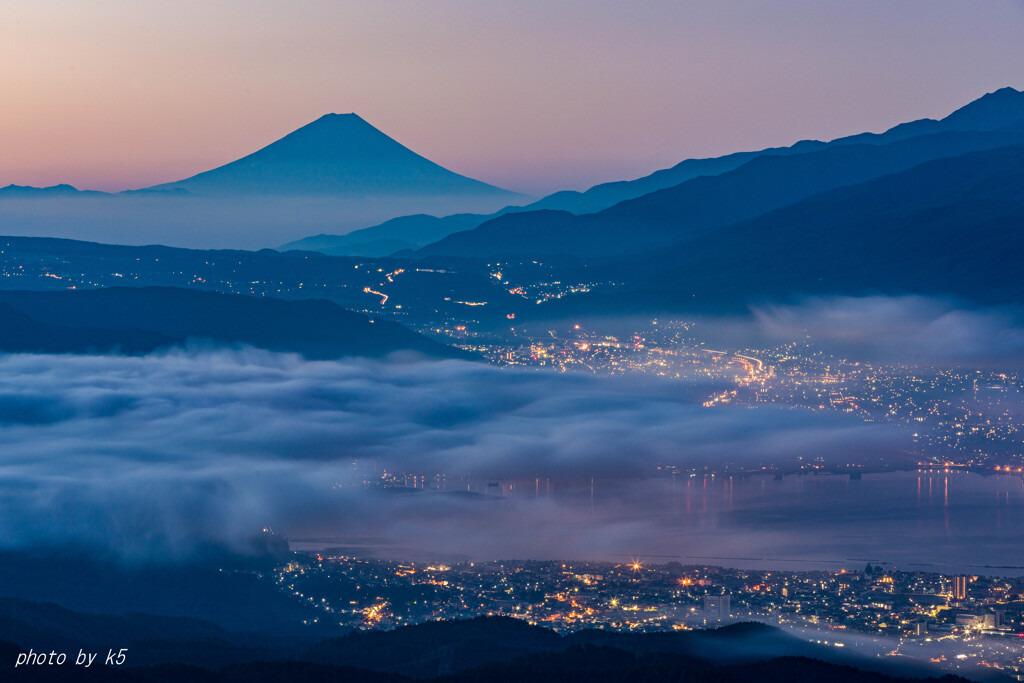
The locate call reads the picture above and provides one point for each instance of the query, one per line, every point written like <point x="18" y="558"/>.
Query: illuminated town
<point x="958" y="417"/>
<point x="956" y="622"/>
<point x="489" y="342"/>
<point x="954" y="418"/>
<point x="962" y="417"/>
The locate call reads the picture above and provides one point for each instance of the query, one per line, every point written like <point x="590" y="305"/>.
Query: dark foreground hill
<point x="483" y="649"/>
<point x="140" y="319"/>
<point x="419" y="292"/>
<point x="459" y="645"/>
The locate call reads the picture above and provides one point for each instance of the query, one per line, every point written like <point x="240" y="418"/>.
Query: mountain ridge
<point x="676" y="214"/>
<point x="990" y="111"/>
<point x="143" y="319"/>
<point x="339" y="154"/>
<point x="901" y="234"/>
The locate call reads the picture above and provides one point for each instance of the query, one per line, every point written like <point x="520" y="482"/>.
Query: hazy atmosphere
<point x="201" y="449"/>
<point x="532" y="96"/>
<point x="433" y="340"/>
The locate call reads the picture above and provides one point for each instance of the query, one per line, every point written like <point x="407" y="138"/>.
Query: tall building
<point x="717" y="606"/>
<point x="960" y="587"/>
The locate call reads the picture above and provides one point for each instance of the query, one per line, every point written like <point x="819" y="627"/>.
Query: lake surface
<point x="930" y="521"/>
<point x="949" y="522"/>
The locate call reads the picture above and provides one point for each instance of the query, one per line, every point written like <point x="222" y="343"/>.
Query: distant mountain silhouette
<point x="337" y="173"/>
<point x="29" y="192"/>
<point x="949" y="227"/>
<point x="602" y="196"/>
<point x="65" y="190"/>
<point x="686" y="211"/>
<point x="993" y="111"/>
<point x="144" y="318"/>
<point x="338" y="154"/>
<point x="989" y="112"/>
<point x="397" y="234"/>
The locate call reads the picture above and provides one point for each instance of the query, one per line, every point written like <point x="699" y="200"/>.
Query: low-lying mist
<point x="912" y="330"/>
<point x="157" y="457"/>
<point x="243" y="222"/>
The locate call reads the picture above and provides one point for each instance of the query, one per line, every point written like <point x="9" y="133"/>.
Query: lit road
<point x="382" y="295"/>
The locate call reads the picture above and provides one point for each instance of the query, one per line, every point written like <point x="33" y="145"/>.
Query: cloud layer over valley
<point x="914" y="330"/>
<point x="158" y="457"/>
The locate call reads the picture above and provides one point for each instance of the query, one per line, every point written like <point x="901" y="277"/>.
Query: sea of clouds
<point x="158" y="457"/>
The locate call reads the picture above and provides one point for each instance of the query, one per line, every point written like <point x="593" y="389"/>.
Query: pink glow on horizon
<point x="529" y="95"/>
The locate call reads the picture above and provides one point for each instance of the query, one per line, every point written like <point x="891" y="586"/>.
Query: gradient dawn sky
<point x="533" y="95"/>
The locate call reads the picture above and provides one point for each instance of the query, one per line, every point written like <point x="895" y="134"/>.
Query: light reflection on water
<point x="950" y="522"/>
<point x="929" y="521"/>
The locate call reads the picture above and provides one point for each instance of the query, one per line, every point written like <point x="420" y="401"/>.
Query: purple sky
<point x="531" y="95"/>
